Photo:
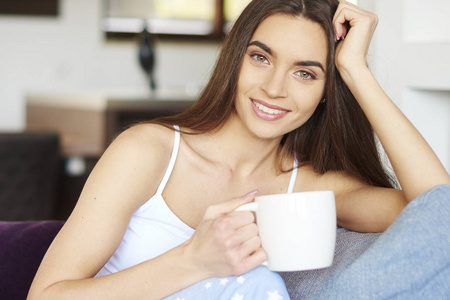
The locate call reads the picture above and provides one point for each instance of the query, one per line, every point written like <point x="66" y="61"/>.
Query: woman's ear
<point x="324" y="97"/>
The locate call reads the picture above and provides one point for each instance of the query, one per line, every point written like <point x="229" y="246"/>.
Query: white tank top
<point x="154" y="229"/>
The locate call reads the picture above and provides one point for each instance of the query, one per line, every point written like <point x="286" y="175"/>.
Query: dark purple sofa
<point x="22" y="247"/>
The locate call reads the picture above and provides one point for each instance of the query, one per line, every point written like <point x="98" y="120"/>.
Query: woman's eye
<point x="259" y="58"/>
<point x="305" y="75"/>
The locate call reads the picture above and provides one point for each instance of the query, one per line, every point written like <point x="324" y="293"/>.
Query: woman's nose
<point x="275" y="84"/>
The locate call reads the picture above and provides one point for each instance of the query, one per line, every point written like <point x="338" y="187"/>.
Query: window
<point x="180" y="18"/>
<point x="231" y="11"/>
<point x="176" y="18"/>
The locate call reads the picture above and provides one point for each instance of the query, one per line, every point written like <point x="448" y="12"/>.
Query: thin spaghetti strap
<point x="293" y="177"/>
<point x="173" y="158"/>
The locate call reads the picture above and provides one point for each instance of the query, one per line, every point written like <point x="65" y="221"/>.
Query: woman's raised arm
<point x="415" y="164"/>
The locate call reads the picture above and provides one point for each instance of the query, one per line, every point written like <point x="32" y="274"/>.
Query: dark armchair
<point x="29" y="171"/>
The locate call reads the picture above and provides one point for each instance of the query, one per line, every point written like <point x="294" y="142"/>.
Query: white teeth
<point x="268" y="110"/>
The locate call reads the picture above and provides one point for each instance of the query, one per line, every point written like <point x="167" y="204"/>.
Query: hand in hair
<point x="354" y="28"/>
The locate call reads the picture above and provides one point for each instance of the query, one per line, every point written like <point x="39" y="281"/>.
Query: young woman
<point x="290" y="107"/>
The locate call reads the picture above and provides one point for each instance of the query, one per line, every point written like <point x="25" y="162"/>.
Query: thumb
<point x="217" y="210"/>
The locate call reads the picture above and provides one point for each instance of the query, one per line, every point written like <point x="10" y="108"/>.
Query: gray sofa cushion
<point x="349" y="246"/>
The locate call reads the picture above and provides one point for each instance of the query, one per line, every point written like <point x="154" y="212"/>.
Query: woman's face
<point x="282" y="77"/>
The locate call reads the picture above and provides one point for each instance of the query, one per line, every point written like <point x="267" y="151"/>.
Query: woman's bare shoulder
<point x="134" y="163"/>
<point x="144" y="142"/>
<point x="149" y="145"/>
<point x="146" y="135"/>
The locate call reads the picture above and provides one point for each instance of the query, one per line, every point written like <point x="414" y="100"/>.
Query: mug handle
<point x="250" y="207"/>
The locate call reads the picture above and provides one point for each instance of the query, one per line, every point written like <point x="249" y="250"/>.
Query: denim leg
<point x="258" y="284"/>
<point x="411" y="260"/>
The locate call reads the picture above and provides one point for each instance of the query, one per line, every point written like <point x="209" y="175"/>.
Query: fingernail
<point x="336" y="38"/>
<point x="251" y="193"/>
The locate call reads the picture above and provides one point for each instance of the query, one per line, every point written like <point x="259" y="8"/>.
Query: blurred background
<point x="81" y="70"/>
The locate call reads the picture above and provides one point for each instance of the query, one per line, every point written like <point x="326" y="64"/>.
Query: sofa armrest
<point x="23" y="245"/>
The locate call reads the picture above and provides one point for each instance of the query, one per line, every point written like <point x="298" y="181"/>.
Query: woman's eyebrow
<point x="310" y="63"/>
<point x="306" y="63"/>
<point x="262" y="46"/>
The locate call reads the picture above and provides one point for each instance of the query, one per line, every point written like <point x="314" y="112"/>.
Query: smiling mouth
<point x="269" y="110"/>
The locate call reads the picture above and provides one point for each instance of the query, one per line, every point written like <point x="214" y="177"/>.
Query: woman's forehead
<point x="294" y="36"/>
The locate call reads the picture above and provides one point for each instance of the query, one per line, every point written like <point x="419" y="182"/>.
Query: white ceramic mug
<point x="297" y="230"/>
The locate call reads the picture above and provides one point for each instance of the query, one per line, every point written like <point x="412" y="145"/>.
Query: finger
<point x="348" y="14"/>
<point x="253" y="260"/>
<point x="248" y="256"/>
<point x="231" y="228"/>
<point x="338" y="12"/>
<point x="241" y="218"/>
<point x="345" y="4"/>
<point x="242" y="234"/>
<point x="250" y="246"/>
<point x="220" y="209"/>
<point x="342" y="20"/>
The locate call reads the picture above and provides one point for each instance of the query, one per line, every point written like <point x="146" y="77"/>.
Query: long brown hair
<point x="338" y="135"/>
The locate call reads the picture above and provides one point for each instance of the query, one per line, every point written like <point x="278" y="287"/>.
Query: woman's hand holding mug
<point x="226" y="242"/>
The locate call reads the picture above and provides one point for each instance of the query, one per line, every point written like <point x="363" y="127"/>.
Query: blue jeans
<point x="410" y="260"/>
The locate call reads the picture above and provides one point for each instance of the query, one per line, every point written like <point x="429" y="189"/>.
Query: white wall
<point x="413" y="65"/>
<point x="69" y="54"/>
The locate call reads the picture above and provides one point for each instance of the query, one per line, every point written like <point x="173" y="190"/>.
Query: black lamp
<point x="147" y="55"/>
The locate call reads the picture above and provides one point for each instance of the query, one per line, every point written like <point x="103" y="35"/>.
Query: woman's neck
<point x="234" y="148"/>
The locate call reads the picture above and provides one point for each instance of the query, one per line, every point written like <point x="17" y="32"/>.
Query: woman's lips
<point x="268" y="112"/>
